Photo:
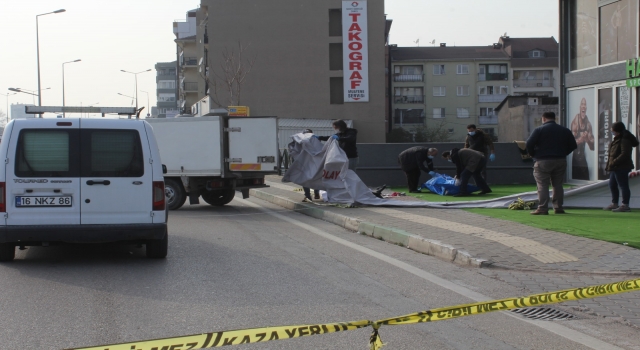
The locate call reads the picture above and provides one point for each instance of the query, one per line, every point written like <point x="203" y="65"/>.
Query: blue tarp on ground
<point x="444" y="185"/>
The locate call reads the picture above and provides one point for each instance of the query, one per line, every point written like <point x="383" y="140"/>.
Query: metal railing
<point x="401" y="120"/>
<point x="190" y="61"/>
<point x="408" y="77"/>
<point x="190" y="86"/>
<point x="491" y="119"/>
<point x="491" y="98"/>
<point x="409" y="99"/>
<point x="525" y="83"/>
<point x="492" y="76"/>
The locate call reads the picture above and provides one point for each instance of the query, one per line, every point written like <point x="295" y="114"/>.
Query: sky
<point x="110" y="36"/>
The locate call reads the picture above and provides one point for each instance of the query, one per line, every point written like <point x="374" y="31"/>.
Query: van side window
<point x="47" y="153"/>
<point x="111" y="153"/>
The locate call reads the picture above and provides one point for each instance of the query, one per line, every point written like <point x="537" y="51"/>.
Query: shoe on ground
<point x="611" y="206"/>
<point x="539" y="212"/>
<point x="622" y="209"/>
<point x="462" y="195"/>
<point x="307" y="199"/>
<point x="485" y="192"/>
<point x="316" y="195"/>
<point x="559" y="211"/>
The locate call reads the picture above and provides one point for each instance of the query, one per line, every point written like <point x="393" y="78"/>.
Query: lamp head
<point x="59" y="11"/>
<point x="14" y="89"/>
<point x="78" y="60"/>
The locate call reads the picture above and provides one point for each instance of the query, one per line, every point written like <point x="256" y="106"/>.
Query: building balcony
<point x="409" y="99"/>
<point x="404" y="120"/>
<point x="492" y="76"/>
<point x="408" y="78"/>
<point x="189" y="62"/>
<point x="190" y="87"/>
<point x="491" y="98"/>
<point x="532" y="83"/>
<point x="488" y="119"/>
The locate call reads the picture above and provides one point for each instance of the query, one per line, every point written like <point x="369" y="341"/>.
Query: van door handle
<point x="103" y="182"/>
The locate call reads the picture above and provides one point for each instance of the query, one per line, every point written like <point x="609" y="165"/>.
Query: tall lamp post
<point x="38" y="51"/>
<point x="64" y="114"/>
<point x="6" y="95"/>
<point x="30" y="92"/>
<point x="136" y="77"/>
<point x="148" y="111"/>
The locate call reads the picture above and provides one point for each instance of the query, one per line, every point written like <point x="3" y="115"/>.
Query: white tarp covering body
<point x="325" y="167"/>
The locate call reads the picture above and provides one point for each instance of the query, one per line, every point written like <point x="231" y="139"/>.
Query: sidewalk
<point x="466" y="238"/>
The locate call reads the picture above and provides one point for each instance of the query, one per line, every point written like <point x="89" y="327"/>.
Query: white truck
<point x="214" y="156"/>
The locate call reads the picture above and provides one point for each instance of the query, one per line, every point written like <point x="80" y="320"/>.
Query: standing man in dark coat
<point x="413" y="160"/>
<point x="549" y="145"/>
<point x="469" y="163"/>
<point x="478" y="140"/>
<point x="346" y="138"/>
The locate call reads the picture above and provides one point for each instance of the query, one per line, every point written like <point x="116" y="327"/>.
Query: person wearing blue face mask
<point x="478" y="140"/>
<point x="413" y="160"/>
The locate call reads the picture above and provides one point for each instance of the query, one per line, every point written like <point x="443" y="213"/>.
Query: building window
<point x="504" y="90"/>
<point x="463" y="112"/>
<point x="335" y="56"/>
<point x="408" y="95"/>
<point x="450" y="131"/>
<point x="335" y="22"/>
<point x="166" y="84"/>
<point x="166" y="97"/>
<point x="408" y="116"/>
<point x="438" y="69"/>
<point x="462" y="69"/>
<point x="536" y="54"/>
<point x="336" y="91"/>
<point x="492" y="72"/>
<point x="463" y="90"/>
<point x="584" y="35"/>
<point x="486" y="111"/>
<point x="407" y="73"/>
<point x="438" y="113"/>
<point x="493" y="90"/>
<point x="618" y="33"/>
<point x="439" y="91"/>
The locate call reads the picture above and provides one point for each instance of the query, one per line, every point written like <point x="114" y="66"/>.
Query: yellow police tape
<point x="257" y="335"/>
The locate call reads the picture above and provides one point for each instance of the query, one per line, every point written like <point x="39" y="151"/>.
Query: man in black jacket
<point x="346" y="138"/>
<point x="549" y="145"/>
<point x="477" y="140"/>
<point x="469" y="163"/>
<point x="413" y="160"/>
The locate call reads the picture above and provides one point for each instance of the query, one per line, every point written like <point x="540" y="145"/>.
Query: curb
<point x="388" y="234"/>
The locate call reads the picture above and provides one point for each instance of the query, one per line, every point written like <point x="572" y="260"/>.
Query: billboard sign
<point x="355" y="51"/>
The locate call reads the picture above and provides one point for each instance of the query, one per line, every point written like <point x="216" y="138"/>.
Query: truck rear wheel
<point x="7" y="251"/>
<point x="219" y="197"/>
<point x="174" y="194"/>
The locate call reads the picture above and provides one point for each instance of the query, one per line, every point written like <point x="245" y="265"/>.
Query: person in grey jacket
<point x="549" y="145"/>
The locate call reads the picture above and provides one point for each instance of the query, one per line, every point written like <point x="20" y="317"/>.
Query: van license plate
<point x="40" y="201"/>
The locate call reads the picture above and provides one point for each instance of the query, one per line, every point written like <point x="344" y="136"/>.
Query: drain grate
<point x="544" y="313"/>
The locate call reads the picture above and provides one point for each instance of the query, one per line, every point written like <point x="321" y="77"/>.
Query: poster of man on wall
<point x="580" y="102"/>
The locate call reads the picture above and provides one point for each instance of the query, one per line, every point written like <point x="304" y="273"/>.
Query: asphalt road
<point x="251" y="264"/>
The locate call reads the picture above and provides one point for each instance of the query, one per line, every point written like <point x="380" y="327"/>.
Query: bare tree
<point x="230" y="76"/>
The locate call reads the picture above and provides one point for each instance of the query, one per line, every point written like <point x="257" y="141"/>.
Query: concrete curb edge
<point x="388" y="234"/>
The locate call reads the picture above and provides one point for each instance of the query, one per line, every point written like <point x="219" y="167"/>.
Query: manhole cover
<point x="543" y="313"/>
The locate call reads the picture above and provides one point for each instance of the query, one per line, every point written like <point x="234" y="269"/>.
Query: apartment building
<point x="454" y="86"/>
<point x="190" y="53"/>
<point x="599" y="74"/>
<point x="166" y="78"/>
<point x="534" y="65"/>
<point x="304" y="60"/>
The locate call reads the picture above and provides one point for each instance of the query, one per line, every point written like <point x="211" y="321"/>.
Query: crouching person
<point x="469" y="163"/>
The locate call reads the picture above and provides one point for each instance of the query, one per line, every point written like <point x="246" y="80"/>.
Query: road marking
<point x="565" y="332"/>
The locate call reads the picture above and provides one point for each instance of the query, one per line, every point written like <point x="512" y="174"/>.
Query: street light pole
<point x="6" y="95"/>
<point x="64" y="114"/>
<point x="38" y="51"/>
<point x="148" y="111"/>
<point x="136" y="80"/>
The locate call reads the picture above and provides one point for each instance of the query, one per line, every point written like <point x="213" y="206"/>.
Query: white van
<point x="81" y="181"/>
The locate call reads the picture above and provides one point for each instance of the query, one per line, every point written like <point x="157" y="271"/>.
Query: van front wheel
<point x="7" y="251"/>
<point x="157" y="248"/>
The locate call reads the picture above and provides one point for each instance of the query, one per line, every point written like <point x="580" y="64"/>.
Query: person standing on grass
<point x="469" y="163"/>
<point x="413" y="160"/>
<point x="346" y="138"/>
<point x="620" y="165"/>
<point x="478" y="140"/>
<point x="549" y="145"/>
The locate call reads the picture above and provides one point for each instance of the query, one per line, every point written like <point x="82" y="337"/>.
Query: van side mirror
<point x="164" y="169"/>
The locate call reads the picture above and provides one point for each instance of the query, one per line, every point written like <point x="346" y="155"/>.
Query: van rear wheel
<point x="174" y="194"/>
<point x="219" y="197"/>
<point x="7" y="251"/>
<point x="157" y="248"/>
